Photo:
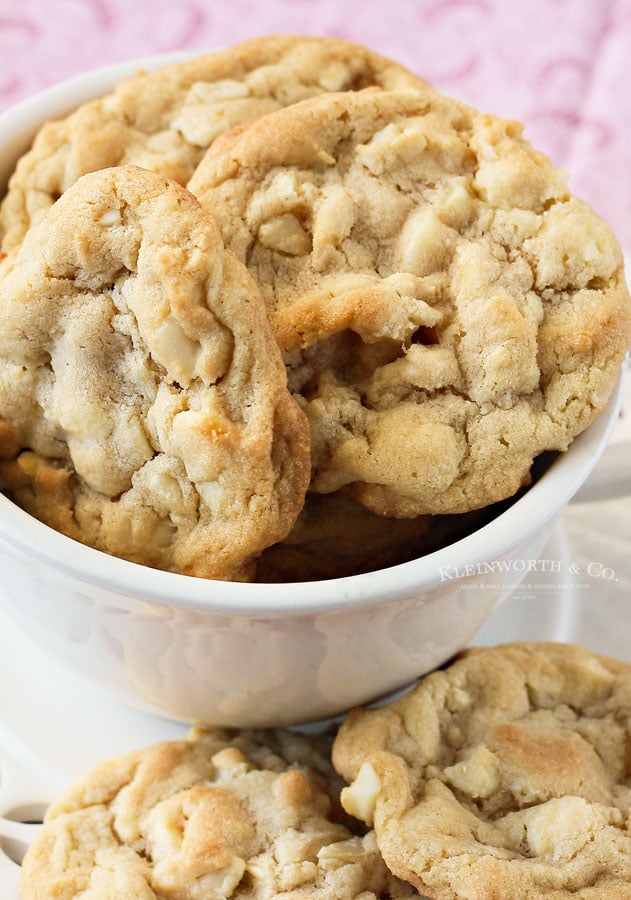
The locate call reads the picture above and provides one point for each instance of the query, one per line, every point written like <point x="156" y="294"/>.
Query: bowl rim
<point x="22" y="119"/>
<point x="24" y="534"/>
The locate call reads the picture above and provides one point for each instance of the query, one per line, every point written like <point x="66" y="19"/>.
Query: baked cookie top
<point x="143" y="400"/>
<point x="446" y="308"/>
<point x="505" y="775"/>
<point x="220" y="815"/>
<point x="164" y="120"/>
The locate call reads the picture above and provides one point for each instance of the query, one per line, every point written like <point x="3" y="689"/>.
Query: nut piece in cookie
<point x="165" y="120"/>
<point x="446" y="308"/>
<point x="143" y="401"/>
<point x="223" y="814"/>
<point x="506" y="775"/>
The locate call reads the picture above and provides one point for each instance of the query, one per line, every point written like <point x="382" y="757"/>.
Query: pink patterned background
<point x="561" y="66"/>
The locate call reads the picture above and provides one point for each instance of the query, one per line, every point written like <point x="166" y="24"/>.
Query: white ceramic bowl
<point x="257" y="654"/>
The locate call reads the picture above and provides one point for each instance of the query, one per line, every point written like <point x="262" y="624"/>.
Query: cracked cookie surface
<point x="505" y="775"/>
<point x="144" y="407"/>
<point x="222" y="814"/>
<point x="446" y="308"/>
<point x="164" y="120"/>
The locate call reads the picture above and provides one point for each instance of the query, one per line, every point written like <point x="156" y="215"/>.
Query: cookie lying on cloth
<point x="446" y="308"/>
<point x="224" y="814"/>
<point x="164" y="120"/>
<point x="506" y="775"/>
<point x="143" y="401"/>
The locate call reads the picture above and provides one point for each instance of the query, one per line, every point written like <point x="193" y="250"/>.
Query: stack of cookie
<point x="504" y="776"/>
<point x="292" y="267"/>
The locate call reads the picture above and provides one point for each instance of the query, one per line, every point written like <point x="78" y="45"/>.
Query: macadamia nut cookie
<point x="506" y="775"/>
<point x="446" y="308"/>
<point x="164" y="120"/>
<point x="143" y="400"/>
<point x="221" y="815"/>
<point x="334" y="537"/>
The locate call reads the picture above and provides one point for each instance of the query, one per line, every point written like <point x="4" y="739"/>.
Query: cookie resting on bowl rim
<point x="257" y="654"/>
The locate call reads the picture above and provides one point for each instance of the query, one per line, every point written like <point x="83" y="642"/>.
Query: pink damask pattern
<point x="560" y="66"/>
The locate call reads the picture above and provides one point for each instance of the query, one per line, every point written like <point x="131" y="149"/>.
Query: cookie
<point x="143" y="401"/>
<point x="165" y="120"/>
<point x="446" y="308"/>
<point x="505" y="775"/>
<point x="334" y="537"/>
<point x="220" y="815"/>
